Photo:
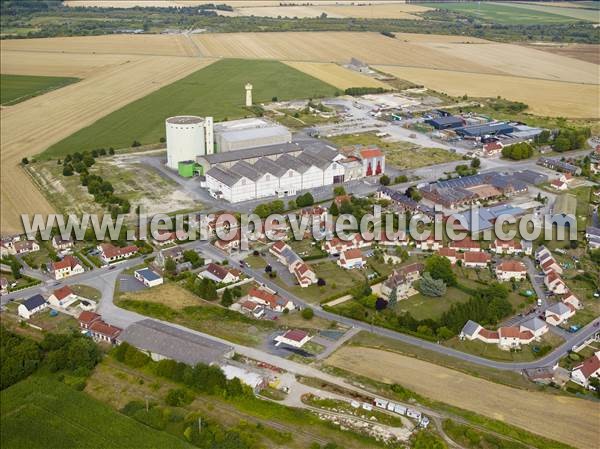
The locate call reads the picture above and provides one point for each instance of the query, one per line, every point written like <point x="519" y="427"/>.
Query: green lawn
<point x="17" y="88"/>
<point x="216" y="90"/>
<point x="65" y="418"/>
<point x="503" y="13"/>
<point x="422" y="307"/>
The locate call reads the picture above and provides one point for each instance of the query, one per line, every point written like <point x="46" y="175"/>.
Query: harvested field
<point x="56" y="64"/>
<point x="389" y="11"/>
<point x="589" y="15"/>
<point x="171" y="3"/>
<point x="171" y="295"/>
<point x="300" y="12"/>
<point x="30" y="127"/>
<point x="114" y="44"/>
<point x="583" y="52"/>
<point x="547" y="98"/>
<point x="555" y="416"/>
<point x="336" y="75"/>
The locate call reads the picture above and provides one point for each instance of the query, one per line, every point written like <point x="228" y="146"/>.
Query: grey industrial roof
<point x="488" y="128"/>
<point x="313" y="159"/>
<point x="185" y="119"/>
<point x="254" y="133"/>
<point x="34" y="301"/>
<point x="531" y="176"/>
<point x="174" y="343"/>
<point x="251" y="153"/>
<point x="446" y="120"/>
<point x="224" y="176"/>
<point x="243" y="168"/>
<point x="290" y="162"/>
<point x="266" y="165"/>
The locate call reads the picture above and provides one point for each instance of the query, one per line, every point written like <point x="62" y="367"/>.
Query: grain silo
<point x="186" y="138"/>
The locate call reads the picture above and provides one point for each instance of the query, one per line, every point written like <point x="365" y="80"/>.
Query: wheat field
<point x="336" y="75"/>
<point x="570" y="420"/>
<point x="30" y="127"/>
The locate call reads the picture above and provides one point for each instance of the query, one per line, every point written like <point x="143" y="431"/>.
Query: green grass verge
<point x="216" y="90"/>
<point x="66" y="418"/>
<point x="17" y="88"/>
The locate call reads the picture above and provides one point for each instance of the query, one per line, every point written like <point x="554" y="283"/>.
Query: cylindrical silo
<point x="185" y="139"/>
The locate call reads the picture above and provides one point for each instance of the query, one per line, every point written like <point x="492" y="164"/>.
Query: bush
<point x="308" y="313"/>
<point x="179" y="397"/>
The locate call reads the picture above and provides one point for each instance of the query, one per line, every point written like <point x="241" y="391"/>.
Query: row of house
<point x="284" y="254"/>
<point x="592" y="235"/>
<point x="98" y="329"/>
<point x="61" y="298"/>
<point x="13" y="245"/>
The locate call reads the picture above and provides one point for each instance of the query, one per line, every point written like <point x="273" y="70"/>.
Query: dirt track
<point x="572" y="421"/>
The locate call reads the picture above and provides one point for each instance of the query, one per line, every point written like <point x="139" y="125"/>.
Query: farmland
<point x="17" y="88"/>
<point x="216" y="90"/>
<point x="64" y="418"/>
<point x="336" y="75"/>
<point x="503" y="13"/>
<point x="30" y="127"/>
<point x="546" y="98"/>
<point x="583" y="52"/>
<point x="555" y="416"/>
<point x="371" y="11"/>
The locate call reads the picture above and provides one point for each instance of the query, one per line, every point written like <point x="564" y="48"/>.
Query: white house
<point x="511" y="269"/>
<point x="476" y="259"/>
<point x="104" y="332"/>
<point x="31" y="306"/>
<point x="269" y="300"/>
<point x="559" y="185"/>
<point x="69" y="266"/>
<point x="511" y="247"/>
<point x="559" y="313"/>
<point x="554" y="283"/>
<point x="220" y="274"/>
<point x="148" y="277"/>
<point x="293" y="337"/>
<point x="351" y="258"/>
<point x="62" y="297"/>
<point x="25" y="246"/>
<point x="465" y="245"/>
<point x="583" y="373"/>
<point x="429" y="244"/>
<point x="111" y="253"/>
<point x="536" y="326"/>
<point x="570" y="298"/>
<point x="59" y="244"/>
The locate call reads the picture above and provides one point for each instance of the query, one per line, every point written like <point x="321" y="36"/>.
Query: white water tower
<point x="248" y="95"/>
<point x="187" y="138"/>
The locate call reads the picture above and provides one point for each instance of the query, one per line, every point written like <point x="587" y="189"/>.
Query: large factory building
<point x="188" y="137"/>
<point x="249" y="133"/>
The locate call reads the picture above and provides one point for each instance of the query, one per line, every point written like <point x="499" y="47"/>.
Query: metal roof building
<point x="487" y="129"/>
<point x="445" y="122"/>
<point x="249" y="133"/>
<point x="162" y="341"/>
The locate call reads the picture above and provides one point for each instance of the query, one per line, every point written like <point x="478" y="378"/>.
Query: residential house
<point x="31" y="306"/>
<point x="271" y="301"/>
<point x="492" y="149"/>
<point x="59" y="244"/>
<point x="220" y="274"/>
<point x="590" y="368"/>
<point x="3" y="286"/>
<point x="231" y="244"/>
<point x="511" y="247"/>
<point x="559" y="185"/>
<point x="513" y="337"/>
<point x="555" y="284"/>
<point x="566" y="177"/>
<point x="111" y="253"/>
<point x="465" y="245"/>
<point x="505" y="337"/>
<point x="402" y="280"/>
<point x="86" y="319"/>
<point x="62" y="297"/>
<point x="304" y="274"/>
<point x="252" y="308"/>
<point x="509" y="270"/>
<point x="429" y="244"/>
<point x="570" y="298"/>
<point x="162" y="238"/>
<point x="336" y="245"/>
<point x="104" y="332"/>
<point x="476" y="259"/>
<point x="7" y="245"/>
<point x="592" y="235"/>
<point x="293" y="337"/>
<point x="148" y="277"/>
<point x="69" y="266"/>
<point x="284" y="254"/>
<point x="558" y="313"/>
<point x="450" y="254"/>
<point x="536" y="326"/>
<point x="25" y="246"/>
<point x="546" y="260"/>
<point x="351" y="258"/>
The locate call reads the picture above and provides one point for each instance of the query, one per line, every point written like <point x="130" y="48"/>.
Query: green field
<point x="216" y="90"/>
<point x="17" y="88"/>
<point x="503" y="13"/>
<point x="43" y="413"/>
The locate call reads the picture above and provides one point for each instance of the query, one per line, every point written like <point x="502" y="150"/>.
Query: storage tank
<point x="185" y="139"/>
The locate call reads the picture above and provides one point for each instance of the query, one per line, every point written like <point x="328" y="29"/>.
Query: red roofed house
<point x="590" y="368"/>
<point x="351" y="258"/>
<point x="87" y="318"/>
<point x="220" y="274"/>
<point x="570" y="298"/>
<point x="252" y="308"/>
<point x="62" y="297"/>
<point x="428" y="244"/>
<point x="273" y="302"/>
<point x="449" y="254"/>
<point x="304" y="274"/>
<point x="294" y="337"/>
<point x="559" y="185"/>
<point x="101" y="331"/>
<point x="506" y="247"/>
<point x="373" y="161"/>
<point x="492" y="148"/>
<point x="554" y="283"/>
<point x="566" y="177"/>
<point x="111" y="253"/>
<point x="511" y="269"/>
<point x="284" y="253"/>
<point x="69" y="266"/>
<point x="465" y="244"/>
<point x="476" y="260"/>
<point x="167" y="237"/>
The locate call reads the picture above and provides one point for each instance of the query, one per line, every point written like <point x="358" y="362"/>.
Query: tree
<point x="339" y="191"/>
<point x="273" y="98"/>
<point x="227" y="298"/>
<point x="475" y="163"/>
<point x="262" y="210"/>
<point x="67" y="170"/>
<point x="111" y="151"/>
<point x="170" y="265"/>
<point x="393" y="298"/>
<point x="431" y="287"/>
<point x="384" y="180"/>
<point x="292" y="205"/>
<point x="24" y="161"/>
<point x="307" y="313"/>
<point x="193" y="257"/>
<point x="305" y="200"/>
<point x="380" y="304"/>
<point x="440" y="268"/>
<point x="321" y="282"/>
<point x="334" y="209"/>
<point x="136" y="143"/>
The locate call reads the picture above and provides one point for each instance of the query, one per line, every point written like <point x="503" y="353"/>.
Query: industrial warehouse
<point x="254" y="158"/>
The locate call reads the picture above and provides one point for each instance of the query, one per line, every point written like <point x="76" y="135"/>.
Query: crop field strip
<point x="552" y="416"/>
<point x="17" y="88"/>
<point x="336" y="75"/>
